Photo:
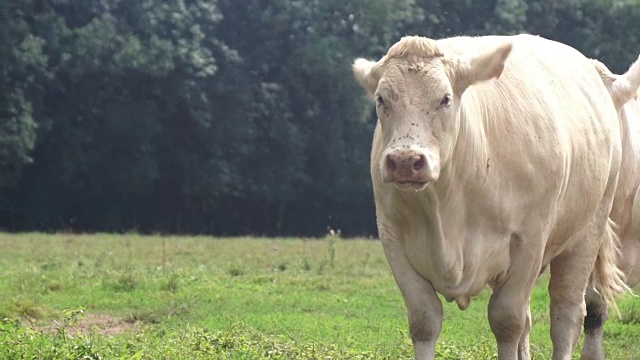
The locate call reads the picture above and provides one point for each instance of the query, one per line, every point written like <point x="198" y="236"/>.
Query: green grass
<point x="240" y="298"/>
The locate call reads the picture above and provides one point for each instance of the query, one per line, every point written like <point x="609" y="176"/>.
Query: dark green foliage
<point x="224" y="117"/>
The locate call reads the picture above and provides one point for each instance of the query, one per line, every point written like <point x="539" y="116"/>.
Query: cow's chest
<point x="458" y="260"/>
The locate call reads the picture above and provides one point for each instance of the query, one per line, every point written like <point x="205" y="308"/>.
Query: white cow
<point x="482" y="182"/>
<point x="623" y="90"/>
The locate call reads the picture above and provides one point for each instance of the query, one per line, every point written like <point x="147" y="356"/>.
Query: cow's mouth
<point x="411" y="185"/>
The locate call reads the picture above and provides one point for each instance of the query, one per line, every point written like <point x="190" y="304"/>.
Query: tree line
<point x="224" y="117"/>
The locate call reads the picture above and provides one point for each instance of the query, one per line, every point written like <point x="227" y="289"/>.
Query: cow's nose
<point x="400" y="163"/>
<point x="410" y="166"/>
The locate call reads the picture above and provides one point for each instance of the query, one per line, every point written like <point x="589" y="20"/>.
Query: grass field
<point x="129" y="296"/>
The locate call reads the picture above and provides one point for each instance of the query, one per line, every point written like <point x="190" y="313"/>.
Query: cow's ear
<point x="625" y="87"/>
<point x="483" y="66"/>
<point x="368" y="75"/>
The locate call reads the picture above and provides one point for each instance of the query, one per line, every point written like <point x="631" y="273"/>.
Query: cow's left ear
<point x="483" y="66"/>
<point x="368" y="75"/>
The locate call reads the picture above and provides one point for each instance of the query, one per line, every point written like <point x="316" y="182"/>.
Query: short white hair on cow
<point x="480" y="67"/>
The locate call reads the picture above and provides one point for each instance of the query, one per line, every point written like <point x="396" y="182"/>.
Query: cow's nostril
<point x="418" y="163"/>
<point x="391" y="164"/>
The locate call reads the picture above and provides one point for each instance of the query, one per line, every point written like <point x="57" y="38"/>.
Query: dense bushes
<point x="223" y="117"/>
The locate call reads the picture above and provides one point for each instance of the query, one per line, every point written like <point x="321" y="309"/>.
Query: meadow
<point x="103" y="296"/>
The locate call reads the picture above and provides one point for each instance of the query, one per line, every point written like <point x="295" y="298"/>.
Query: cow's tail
<point x="609" y="280"/>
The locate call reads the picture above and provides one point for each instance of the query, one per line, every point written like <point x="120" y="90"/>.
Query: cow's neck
<point x="446" y="203"/>
<point x="469" y="163"/>
<point x="446" y="239"/>
<point x="446" y="242"/>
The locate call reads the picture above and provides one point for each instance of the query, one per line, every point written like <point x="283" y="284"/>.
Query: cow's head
<point x="417" y="90"/>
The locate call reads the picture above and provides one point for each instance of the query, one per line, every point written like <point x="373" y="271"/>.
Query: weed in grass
<point x="101" y="259"/>
<point x="126" y="282"/>
<point x="237" y="270"/>
<point x="320" y="284"/>
<point x="630" y="315"/>
<point x="144" y="316"/>
<point x="17" y="342"/>
<point x="322" y="265"/>
<point x="85" y="348"/>
<point x="178" y="309"/>
<point x="49" y="265"/>
<point x="172" y="284"/>
<point x="70" y="317"/>
<point x="332" y="245"/>
<point x="54" y="286"/>
<point x="263" y="279"/>
<point x="158" y="315"/>
<point x="282" y="266"/>
<point x="30" y="310"/>
<point x="305" y="264"/>
<point x="367" y="257"/>
<point x="448" y="351"/>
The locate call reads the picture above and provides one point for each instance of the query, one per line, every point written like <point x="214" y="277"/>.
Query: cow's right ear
<point x="625" y="87"/>
<point x="367" y="74"/>
<point x="482" y="66"/>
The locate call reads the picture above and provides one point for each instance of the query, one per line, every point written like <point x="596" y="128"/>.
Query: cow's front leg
<point x="509" y="313"/>
<point x="424" y="308"/>
<point x="523" y="344"/>
<point x="510" y="321"/>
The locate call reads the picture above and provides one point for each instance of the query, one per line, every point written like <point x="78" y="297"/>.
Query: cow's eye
<point x="379" y="100"/>
<point x="446" y="101"/>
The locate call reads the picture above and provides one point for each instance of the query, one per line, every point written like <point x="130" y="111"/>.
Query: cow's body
<point x="486" y="182"/>
<point x="625" y="211"/>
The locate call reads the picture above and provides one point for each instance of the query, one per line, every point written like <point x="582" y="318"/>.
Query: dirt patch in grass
<point x="90" y="323"/>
